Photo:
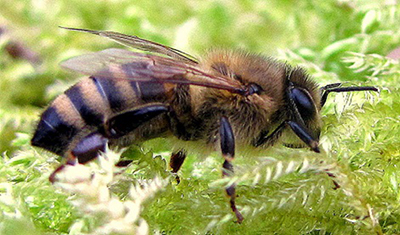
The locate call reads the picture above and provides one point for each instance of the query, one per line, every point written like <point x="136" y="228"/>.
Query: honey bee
<point x="226" y="101"/>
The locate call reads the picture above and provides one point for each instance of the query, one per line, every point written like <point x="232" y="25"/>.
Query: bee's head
<point x="305" y="101"/>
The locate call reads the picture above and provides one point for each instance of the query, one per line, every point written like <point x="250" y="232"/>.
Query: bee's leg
<point x="71" y="160"/>
<point x="176" y="162"/>
<point x="227" y="139"/>
<point x="123" y="163"/>
<point x="126" y="122"/>
<point x="333" y="176"/>
<point x="298" y="129"/>
<point x="270" y="139"/>
<point x="177" y="127"/>
<point x="87" y="149"/>
<point x="303" y="134"/>
<point x="89" y="146"/>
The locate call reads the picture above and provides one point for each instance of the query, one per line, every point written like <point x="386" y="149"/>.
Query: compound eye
<point x="304" y="102"/>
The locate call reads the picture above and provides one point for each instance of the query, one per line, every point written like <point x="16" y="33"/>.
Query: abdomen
<point x="85" y="107"/>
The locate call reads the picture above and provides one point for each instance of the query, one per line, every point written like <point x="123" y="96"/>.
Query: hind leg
<point x="91" y="145"/>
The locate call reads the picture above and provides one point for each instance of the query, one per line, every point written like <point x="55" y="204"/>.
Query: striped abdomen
<point x="86" y="106"/>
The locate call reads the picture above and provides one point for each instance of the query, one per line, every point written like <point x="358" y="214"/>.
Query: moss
<point x="285" y="192"/>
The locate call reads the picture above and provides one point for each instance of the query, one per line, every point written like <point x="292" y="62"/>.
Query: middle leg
<point x="176" y="161"/>
<point x="227" y="140"/>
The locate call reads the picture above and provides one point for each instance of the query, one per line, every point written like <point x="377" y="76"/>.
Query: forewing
<point x="93" y="63"/>
<point x="122" y="64"/>
<point x="141" y="44"/>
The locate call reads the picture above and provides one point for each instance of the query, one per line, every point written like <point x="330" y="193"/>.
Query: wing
<point x="122" y="64"/>
<point x="141" y="44"/>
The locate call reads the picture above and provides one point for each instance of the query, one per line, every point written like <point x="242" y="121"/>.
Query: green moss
<point x="286" y="191"/>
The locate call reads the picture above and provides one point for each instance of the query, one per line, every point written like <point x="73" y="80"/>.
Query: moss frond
<point x="352" y="187"/>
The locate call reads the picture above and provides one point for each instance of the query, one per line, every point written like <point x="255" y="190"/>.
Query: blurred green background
<point x="335" y="40"/>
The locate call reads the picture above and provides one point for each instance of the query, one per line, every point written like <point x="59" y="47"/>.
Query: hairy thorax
<point x="248" y="115"/>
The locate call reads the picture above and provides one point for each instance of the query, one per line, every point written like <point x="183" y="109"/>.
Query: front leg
<point x="227" y="140"/>
<point x="269" y="140"/>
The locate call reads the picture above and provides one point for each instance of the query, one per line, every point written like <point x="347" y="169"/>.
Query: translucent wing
<point x="141" y="44"/>
<point x="122" y="64"/>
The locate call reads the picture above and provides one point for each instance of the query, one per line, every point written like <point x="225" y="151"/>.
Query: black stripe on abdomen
<point x="90" y="116"/>
<point x="149" y="91"/>
<point x="108" y="90"/>
<point x="53" y="133"/>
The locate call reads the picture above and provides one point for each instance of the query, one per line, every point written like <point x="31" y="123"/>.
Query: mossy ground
<point x="285" y="192"/>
